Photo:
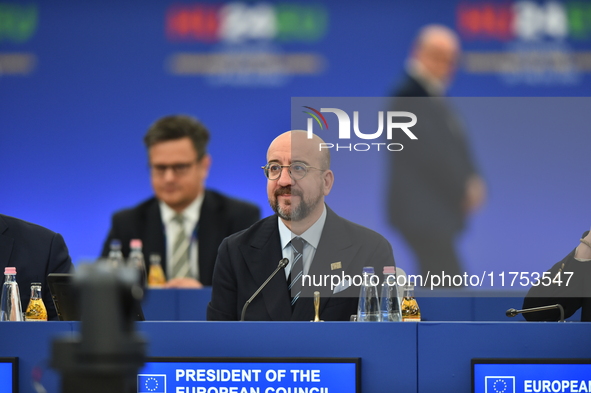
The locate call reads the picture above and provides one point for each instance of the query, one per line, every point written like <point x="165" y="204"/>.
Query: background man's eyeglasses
<point x="177" y="169"/>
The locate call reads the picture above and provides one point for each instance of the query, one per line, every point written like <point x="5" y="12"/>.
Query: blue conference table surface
<point x="409" y="357"/>
<point x="438" y="305"/>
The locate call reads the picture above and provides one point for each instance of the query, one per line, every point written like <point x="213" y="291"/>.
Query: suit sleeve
<point x="568" y="284"/>
<point x="223" y="304"/>
<point x="443" y="156"/>
<point x="59" y="261"/>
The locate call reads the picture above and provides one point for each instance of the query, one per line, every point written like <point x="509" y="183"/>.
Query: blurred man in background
<point x="435" y="184"/>
<point x="185" y="222"/>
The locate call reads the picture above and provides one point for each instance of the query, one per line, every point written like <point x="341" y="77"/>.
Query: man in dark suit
<point x="35" y="252"/>
<point x="434" y="184"/>
<point x="567" y="284"/>
<point x="184" y="223"/>
<point x="299" y="177"/>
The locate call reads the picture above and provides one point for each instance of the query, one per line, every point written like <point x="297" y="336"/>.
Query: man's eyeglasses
<point x="177" y="169"/>
<point x="297" y="170"/>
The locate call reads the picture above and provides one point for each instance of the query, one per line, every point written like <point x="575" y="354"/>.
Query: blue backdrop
<point x="81" y="82"/>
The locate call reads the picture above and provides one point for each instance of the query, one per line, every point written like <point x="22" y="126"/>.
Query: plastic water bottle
<point x="369" y="304"/>
<point x="390" y="305"/>
<point x="136" y="260"/>
<point x="10" y="306"/>
<point x="115" y="258"/>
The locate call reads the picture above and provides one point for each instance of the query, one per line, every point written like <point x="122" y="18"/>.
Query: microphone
<point x="513" y="312"/>
<point x="282" y="264"/>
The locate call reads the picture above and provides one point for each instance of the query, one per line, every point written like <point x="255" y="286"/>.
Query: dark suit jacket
<point x="246" y="259"/>
<point x="35" y="252"/>
<point x="573" y="296"/>
<point x="429" y="175"/>
<point x="220" y="216"/>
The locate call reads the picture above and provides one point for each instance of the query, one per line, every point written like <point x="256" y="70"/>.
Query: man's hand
<point x="183" y="283"/>
<point x="475" y="194"/>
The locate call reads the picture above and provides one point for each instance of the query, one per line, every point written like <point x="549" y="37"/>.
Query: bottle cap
<point x="115" y="244"/>
<point x="135" y="243"/>
<point x="154" y="258"/>
<point x="368" y="270"/>
<point x="37" y="284"/>
<point x="10" y="270"/>
<point x="389" y="270"/>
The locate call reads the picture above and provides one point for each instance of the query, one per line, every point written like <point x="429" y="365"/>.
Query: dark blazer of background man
<point x="35" y="252"/>
<point x="179" y="163"/>
<point x="434" y="184"/>
<point x="246" y="259"/>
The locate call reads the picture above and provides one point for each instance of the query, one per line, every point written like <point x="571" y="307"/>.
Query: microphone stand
<point x="282" y="264"/>
<point x="513" y="312"/>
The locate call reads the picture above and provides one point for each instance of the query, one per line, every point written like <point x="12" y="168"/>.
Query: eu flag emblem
<point x="151" y="383"/>
<point x="499" y="384"/>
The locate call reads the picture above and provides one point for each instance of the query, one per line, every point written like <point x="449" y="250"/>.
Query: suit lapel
<point x="262" y="256"/>
<point x="336" y="245"/>
<point x="5" y="244"/>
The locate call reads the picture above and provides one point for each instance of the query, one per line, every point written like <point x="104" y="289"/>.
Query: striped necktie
<point x="297" y="269"/>
<point x="180" y="250"/>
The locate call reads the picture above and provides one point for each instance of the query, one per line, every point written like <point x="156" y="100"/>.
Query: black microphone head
<point x="284" y="262"/>
<point x="511" y="312"/>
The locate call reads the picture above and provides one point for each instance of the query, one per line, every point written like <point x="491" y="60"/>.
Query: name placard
<point x="250" y="375"/>
<point x="531" y="375"/>
<point x="9" y="375"/>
